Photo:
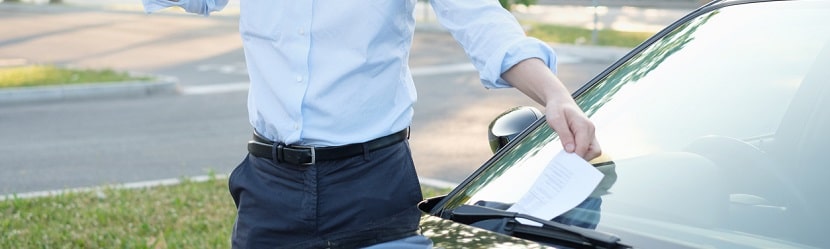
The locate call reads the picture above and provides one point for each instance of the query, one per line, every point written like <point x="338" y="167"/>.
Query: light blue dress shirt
<point x="334" y="72"/>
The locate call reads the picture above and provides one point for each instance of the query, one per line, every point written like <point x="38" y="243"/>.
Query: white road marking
<point x="215" y="88"/>
<point x="443" y="69"/>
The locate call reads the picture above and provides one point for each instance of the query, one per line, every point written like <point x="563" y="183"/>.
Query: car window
<point x="715" y="131"/>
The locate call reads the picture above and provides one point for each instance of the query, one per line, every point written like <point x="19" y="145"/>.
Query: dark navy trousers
<point x="348" y="203"/>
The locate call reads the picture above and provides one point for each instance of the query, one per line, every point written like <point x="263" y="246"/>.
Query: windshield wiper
<point x="577" y="236"/>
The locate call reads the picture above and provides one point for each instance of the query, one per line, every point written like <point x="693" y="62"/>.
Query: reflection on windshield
<point x="643" y="63"/>
<point x="587" y="213"/>
<point x="717" y="133"/>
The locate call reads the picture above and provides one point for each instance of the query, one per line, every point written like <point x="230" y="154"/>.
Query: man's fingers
<point x="576" y="132"/>
<point x="594" y="151"/>
<point x="583" y="131"/>
<point x="560" y="125"/>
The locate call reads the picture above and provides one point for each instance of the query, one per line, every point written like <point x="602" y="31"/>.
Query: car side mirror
<point x="510" y="124"/>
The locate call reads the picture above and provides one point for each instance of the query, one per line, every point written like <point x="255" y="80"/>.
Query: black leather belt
<point x="308" y="155"/>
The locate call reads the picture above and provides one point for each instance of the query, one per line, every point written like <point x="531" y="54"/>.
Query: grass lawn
<point x="44" y="75"/>
<point x="569" y="35"/>
<point x="187" y="215"/>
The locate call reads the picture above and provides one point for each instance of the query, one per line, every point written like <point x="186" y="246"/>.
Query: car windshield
<point x="715" y="130"/>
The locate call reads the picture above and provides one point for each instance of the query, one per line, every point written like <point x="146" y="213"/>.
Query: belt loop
<point x="277" y="153"/>
<point x="366" y="152"/>
<point x="274" y="154"/>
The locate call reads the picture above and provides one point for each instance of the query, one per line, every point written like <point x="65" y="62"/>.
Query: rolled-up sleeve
<point x="202" y="7"/>
<point x="491" y="37"/>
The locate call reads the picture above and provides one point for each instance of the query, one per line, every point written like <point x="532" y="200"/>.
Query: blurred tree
<point x="508" y="4"/>
<point x="55" y="1"/>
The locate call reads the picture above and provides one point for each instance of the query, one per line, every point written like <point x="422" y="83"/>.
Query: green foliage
<point x="508" y="4"/>
<point x="572" y="35"/>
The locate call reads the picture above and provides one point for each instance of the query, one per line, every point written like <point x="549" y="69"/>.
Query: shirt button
<point x="299" y="79"/>
<point x="301" y="31"/>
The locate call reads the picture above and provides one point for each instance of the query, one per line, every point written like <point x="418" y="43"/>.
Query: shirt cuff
<point x="517" y="52"/>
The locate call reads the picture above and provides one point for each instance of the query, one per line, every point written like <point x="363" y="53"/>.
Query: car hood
<point x="449" y="234"/>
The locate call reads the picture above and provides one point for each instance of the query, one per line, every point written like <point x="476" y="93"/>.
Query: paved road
<point x="92" y="142"/>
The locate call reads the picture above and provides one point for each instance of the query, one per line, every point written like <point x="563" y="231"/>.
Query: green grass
<point x="187" y="215"/>
<point x="45" y="75"/>
<point x="570" y="35"/>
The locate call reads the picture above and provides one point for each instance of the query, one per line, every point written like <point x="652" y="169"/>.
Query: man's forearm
<point x="533" y="78"/>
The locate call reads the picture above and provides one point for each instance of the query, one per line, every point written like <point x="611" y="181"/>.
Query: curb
<point x="98" y="189"/>
<point x="88" y="91"/>
<point x="166" y="182"/>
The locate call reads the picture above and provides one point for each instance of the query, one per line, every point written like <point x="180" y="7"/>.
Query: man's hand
<point x="533" y="78"/>
<point x="575" y="130"/>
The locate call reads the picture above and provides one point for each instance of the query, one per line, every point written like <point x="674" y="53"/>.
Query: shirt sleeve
<point x="202" y="7"/>
<point x="491" y="37"/>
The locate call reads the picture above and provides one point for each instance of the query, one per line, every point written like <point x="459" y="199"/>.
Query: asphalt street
<point x="204" y="128"/>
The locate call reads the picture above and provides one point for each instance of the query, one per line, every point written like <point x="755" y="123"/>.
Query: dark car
<point x="713" y="135"/>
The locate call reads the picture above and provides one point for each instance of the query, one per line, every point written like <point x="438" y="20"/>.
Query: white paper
<point x="563" y="184"/>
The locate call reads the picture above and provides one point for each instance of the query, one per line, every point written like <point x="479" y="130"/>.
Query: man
<point x="331" y="100"/>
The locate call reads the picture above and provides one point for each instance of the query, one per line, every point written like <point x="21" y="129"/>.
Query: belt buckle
<point x="313" y="154"/>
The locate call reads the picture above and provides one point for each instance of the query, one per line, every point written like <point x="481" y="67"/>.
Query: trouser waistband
<point x="309" y="155"/>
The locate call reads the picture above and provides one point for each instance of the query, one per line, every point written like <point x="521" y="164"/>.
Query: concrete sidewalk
<point x="623" y="15"/>
<point x="654" y="16"/>
<point x="617" y="17"/>
<point x="98" y="37"/>
<point x="624" y="18"/>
